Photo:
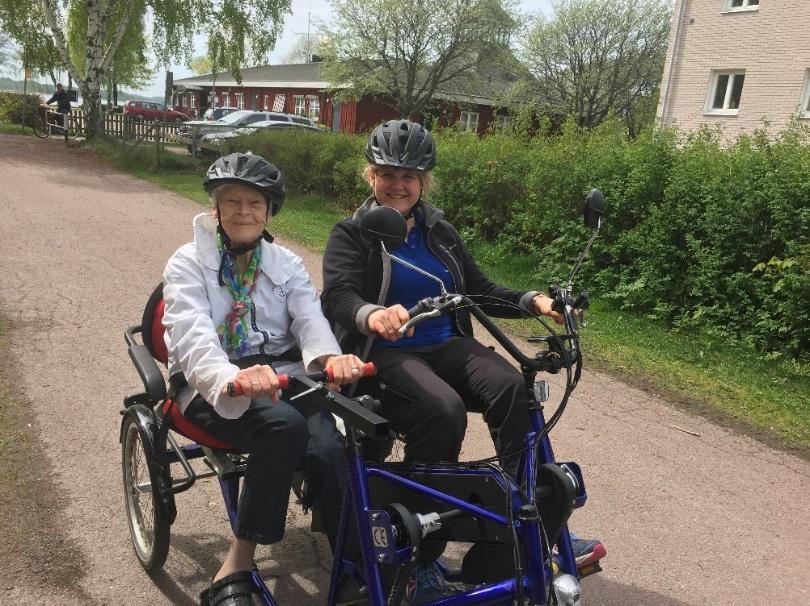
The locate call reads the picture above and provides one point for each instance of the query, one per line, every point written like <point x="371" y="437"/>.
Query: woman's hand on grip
<point x="386" y="322"/>
<point x="256" y="381"/>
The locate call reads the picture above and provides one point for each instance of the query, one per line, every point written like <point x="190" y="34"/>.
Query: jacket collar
<point x="430" y="213"/>
<point x="205" y="238"/>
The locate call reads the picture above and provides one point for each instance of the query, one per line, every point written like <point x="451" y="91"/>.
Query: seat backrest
<point x="152" y="325"/>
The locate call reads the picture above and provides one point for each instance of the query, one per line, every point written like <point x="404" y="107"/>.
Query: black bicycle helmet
<point x="401" y="144"/>
<point x="247" y="169"/>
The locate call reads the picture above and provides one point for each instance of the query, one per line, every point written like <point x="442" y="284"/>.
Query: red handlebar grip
<point x="235" y="389"/>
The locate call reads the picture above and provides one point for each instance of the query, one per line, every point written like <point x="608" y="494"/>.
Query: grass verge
<point x="729" y="383"/>
<point x="34" y="547"/>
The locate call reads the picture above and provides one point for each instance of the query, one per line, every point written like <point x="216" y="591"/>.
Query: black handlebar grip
<point x="419" y="308"/>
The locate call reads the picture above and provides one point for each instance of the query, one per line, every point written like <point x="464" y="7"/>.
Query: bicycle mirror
<point x="386" y="225"/>
<point x="594" y="208"/>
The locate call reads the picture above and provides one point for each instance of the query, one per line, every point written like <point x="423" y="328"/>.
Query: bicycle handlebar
<point x="327" y="376"/>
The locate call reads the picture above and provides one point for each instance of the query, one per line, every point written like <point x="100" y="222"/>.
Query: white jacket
<point x="287" y="310"/>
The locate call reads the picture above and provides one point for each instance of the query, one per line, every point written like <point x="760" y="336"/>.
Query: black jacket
<point x="62" y="101"/>
<point x="356" y="276"/>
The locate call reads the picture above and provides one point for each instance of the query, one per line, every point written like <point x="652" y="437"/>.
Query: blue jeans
<point x="279" y="438"/>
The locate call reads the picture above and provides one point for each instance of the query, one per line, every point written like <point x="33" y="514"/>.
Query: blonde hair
<point x="426" y="178"/>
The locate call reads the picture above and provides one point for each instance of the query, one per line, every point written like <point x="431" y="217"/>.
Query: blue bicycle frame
<point x="518" y="518"/>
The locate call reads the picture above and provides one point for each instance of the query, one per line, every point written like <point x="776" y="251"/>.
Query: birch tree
<point x="244" y="31"/>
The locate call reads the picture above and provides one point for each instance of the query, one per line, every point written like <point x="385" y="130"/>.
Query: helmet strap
<point x="235" y="251"/>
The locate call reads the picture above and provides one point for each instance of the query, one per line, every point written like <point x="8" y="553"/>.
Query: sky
<point x="303" y="11"/>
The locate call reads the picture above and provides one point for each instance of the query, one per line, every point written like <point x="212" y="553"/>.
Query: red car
<point x="146" y="110"/>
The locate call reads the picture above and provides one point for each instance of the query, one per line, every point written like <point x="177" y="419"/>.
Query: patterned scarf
<point x="233" y="332"/>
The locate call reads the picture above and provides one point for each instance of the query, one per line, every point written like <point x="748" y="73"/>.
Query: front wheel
<point x="73" y="127"/>
<point x="148" y="523"/>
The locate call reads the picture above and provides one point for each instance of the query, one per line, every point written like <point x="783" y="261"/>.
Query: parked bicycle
<point x="49" y="123"/>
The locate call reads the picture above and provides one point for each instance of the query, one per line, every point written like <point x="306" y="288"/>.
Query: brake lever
<point x="434" y="313"/>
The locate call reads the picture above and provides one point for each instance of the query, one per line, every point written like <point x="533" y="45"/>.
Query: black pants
<point x="426" y="393"/>
<point x="279" y="438"/>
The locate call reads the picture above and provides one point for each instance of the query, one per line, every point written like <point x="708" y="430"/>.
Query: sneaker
<point x="587" y="551"/>
<point x="428" y="584"/>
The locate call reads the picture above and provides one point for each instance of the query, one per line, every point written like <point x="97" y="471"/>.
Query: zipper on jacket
<point x="460" y="277"/>
<point x="255" y="327"/>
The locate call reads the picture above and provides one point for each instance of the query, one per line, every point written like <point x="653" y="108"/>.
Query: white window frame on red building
<point x="313" y="107"/>
<point x="300" y="105"/>
<point x="468" y="121"/>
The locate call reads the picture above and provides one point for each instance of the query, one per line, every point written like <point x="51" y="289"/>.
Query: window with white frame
<point x="740" y="5"/>
<point x="300" y="105"/>
<point x="725" y="92"/>
<point x="804" y="107"/>
<point x="502" y="122"/>
<point x="192" y="100"/>
<point x="266" y="102"/>
<point x="468" y="121"/>
<point x="314" y="107"/>
<point x="240" y="100"/>
<point x="225" y="100"/>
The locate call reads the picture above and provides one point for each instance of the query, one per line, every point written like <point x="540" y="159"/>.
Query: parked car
<point x="215" y="113"/>
<point x="146" y="110"/>
<point x="216" y="138"/>
<point x="196" y="129"/>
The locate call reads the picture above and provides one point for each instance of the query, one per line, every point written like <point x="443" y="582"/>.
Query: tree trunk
<point x="93" y="119"/>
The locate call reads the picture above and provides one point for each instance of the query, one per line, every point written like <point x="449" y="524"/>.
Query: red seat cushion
<point x="193" y="432"/>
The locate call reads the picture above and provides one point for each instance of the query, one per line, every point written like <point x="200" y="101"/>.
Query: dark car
<point x="146" y="110"/>
<point x="215" y="113"/>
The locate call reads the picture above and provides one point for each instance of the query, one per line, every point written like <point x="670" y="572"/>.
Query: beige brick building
<point x="736" y="62"/>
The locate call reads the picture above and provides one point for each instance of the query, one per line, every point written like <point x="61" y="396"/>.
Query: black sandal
<point x="236" y="589"/>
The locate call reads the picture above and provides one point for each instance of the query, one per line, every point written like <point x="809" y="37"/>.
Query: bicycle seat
<point x="152" y="334"/>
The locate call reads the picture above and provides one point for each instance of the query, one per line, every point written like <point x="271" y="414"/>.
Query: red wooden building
<point x="300" y="89"/>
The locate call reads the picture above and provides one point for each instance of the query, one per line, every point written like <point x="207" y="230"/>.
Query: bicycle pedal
<point x="220" y="463"/>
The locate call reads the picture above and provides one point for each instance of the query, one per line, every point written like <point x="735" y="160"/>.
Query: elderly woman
<point x="428" y="379"/>
<point x="242" y="309"/>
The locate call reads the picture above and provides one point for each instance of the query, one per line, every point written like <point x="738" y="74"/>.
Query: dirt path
<point x="688" y="520"/>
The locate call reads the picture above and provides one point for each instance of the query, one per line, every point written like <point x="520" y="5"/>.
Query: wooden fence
<point x="130" y="128"/>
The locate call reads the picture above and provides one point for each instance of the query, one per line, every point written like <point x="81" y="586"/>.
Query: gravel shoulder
<point x="691" y="512"/>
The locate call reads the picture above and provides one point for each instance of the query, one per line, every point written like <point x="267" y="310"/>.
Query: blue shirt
<point x="409" y="287"/>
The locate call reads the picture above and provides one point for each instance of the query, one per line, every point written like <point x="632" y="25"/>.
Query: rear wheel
<point x="148" y="523"/>
<point x="41" y="127"/>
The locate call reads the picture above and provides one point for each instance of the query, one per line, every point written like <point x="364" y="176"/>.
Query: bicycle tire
<point x="73" y="131"/>
<point x="148" y="523"/>
<point x="40" y="127"/>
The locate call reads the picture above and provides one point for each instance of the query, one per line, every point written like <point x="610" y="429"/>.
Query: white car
<point x="212" y="142"/>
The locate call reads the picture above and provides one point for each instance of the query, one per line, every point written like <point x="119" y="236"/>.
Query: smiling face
<point x="398" y="188"/>
<point x="243" y="213"/>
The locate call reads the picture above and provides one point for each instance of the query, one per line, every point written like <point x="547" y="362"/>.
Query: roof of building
<point x="293" y="75"/>
<point x="488" y="88"/>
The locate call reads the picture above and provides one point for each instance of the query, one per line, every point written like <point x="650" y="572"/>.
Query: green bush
<point x="699" y="233"/>
<point x="11" y="107"/>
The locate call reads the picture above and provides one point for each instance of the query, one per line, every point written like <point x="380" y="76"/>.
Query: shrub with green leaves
<point x="11" y="107"/>
<point x="699" y="233"/>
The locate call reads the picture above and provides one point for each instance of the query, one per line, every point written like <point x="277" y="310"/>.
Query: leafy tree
<point x="594" y="57"/>
<point x="202" y="65"/>
<point x="403" y="51"/>
<point x="241" y="32"/>
<point x="304" y="49"/>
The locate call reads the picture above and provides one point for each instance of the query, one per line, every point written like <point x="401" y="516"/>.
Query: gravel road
<point x="712" y="518"/>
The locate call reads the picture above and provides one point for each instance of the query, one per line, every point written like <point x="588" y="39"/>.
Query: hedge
<point x="699" y="232"/>
<point x="11" y="105"/>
